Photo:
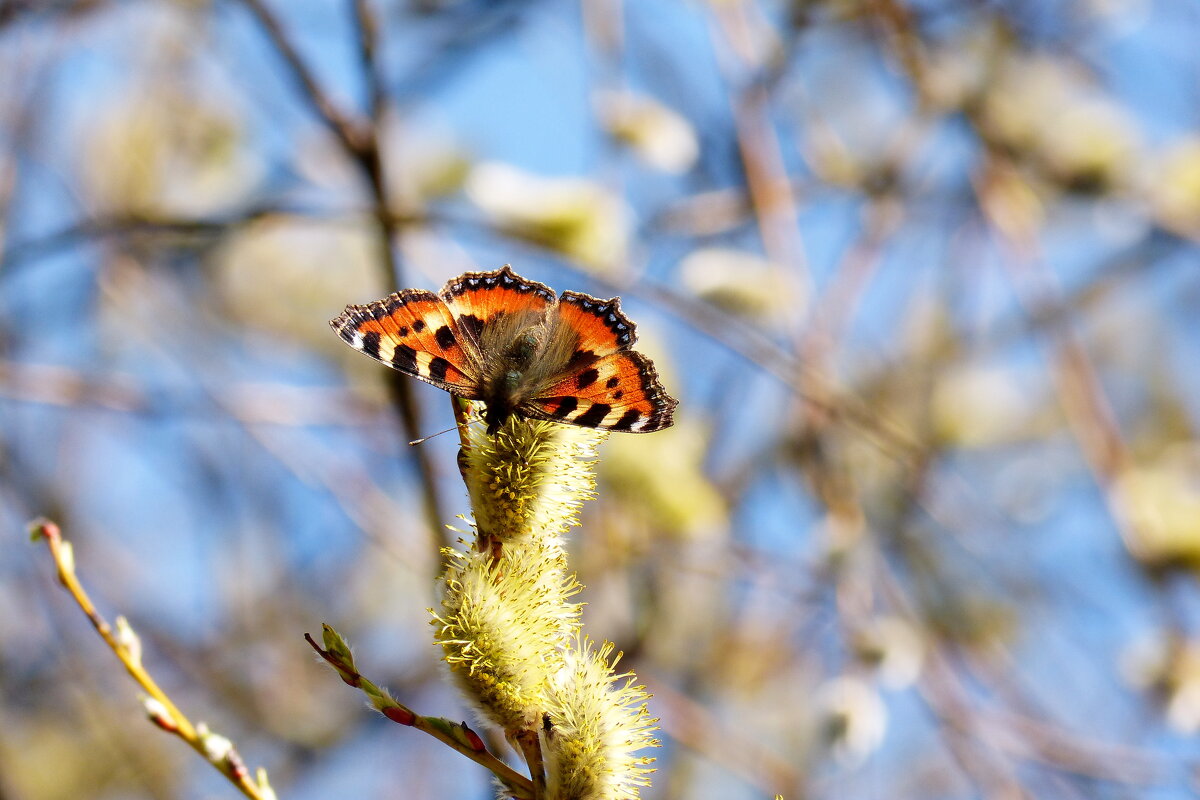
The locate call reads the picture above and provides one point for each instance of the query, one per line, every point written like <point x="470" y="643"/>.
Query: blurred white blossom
<point x="1173" y="187"/>
<point x="575" y="216"/>
<point x="423" y="163"/>
<point x="744" y="284"/>
<point x="1093" y="142"/>
<point x="1159" y="503"/>
<point x="163" y="151"/>
<point x="665" y="475"/>
<point x="976" y="406"/>
<point x="1050" y="111"/>
<point x="1169" y="667"/>
<point x="852" y="718"/>
<point x="288" y="276"/>
<point x="894" y="648"/>
<point x="660" y="137"/>
<point x="957" y="71"/>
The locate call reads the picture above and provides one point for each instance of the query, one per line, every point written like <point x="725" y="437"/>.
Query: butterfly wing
<point x="414" y="332"/>
<point x="493" y="308"/>
<point x="599" y="327"/>
<point x="619" y="392"/>
<point x="594" y="379"/>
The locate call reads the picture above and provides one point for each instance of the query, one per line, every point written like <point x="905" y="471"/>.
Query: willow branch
<point x="162" y="711"/>
<point x="458" y="736"/>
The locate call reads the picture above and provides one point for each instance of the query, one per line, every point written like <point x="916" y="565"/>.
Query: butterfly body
<point x="509" y="376"/>
<point x="509" y="342"/>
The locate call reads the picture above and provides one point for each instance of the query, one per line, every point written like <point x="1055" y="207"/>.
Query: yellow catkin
<point x="502" y="626"/>
<point x="598" y="723"/>
<point x="508" y="627"/>
<point x="531" y="478"/>
<point x="506" y="613"/>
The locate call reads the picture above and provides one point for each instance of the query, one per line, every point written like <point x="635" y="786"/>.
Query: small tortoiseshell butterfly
<point x="499" y="338"/>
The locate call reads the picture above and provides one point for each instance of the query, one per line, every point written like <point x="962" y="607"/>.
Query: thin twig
<point x="348" y="130"/>
<point x="368" y="38"/>
<point x="531" y="748"/>
<point x="768" y="185"/>
<point x="163" y="712"/>
<point x="370" y="153"/>
<point x="456" y="735"/>
<point x="371" y="160"/>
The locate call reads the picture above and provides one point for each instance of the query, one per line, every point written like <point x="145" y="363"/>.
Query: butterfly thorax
<point x="507" y="379"/>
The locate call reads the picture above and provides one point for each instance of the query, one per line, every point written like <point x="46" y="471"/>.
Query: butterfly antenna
<point x="416" y="442"/>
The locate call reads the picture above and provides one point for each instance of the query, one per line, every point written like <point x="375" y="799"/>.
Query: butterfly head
<point x="500" y="405"/>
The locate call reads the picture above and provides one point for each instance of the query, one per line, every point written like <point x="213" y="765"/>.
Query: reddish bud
<point x="473" y="739"/>
<point x="401" y="715"/>
<point x="42" y="528"/>
<point x="166" y="724"/>
<point x="237" y="767"/>
<point x="159" y="715"/>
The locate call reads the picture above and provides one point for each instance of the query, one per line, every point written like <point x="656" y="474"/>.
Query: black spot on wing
<point x="438" y="367"/>
<point x="445" y="337"/>
<point x="405" y="359"/>
<point x="370" y="344"/>
<point x="581" y="358"/>
<point x="627" y="419"/>
<point x="565" y="407"/>
<point x="613" y="382"/>
<point x="418" y="326"/>
<point x="472" y="325"/>
<point x="593" y="416"/>
<point x="587" y="378"/>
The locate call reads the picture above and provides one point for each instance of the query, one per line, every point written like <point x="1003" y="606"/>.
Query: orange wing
<point x="414" y="332"/>
<point x="600" y="326"/>
<point x="492" y="307"/>
<point x="620" y="392"/>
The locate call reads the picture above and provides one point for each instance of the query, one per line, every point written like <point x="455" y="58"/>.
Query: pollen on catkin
<point x="597" y="723"/>
<point x="502" y="627"/>
<point x="506" y="615"/>
<point x="531" y="478"/>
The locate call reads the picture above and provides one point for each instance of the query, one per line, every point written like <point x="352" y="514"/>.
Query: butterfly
<point x="497" y="337"/>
